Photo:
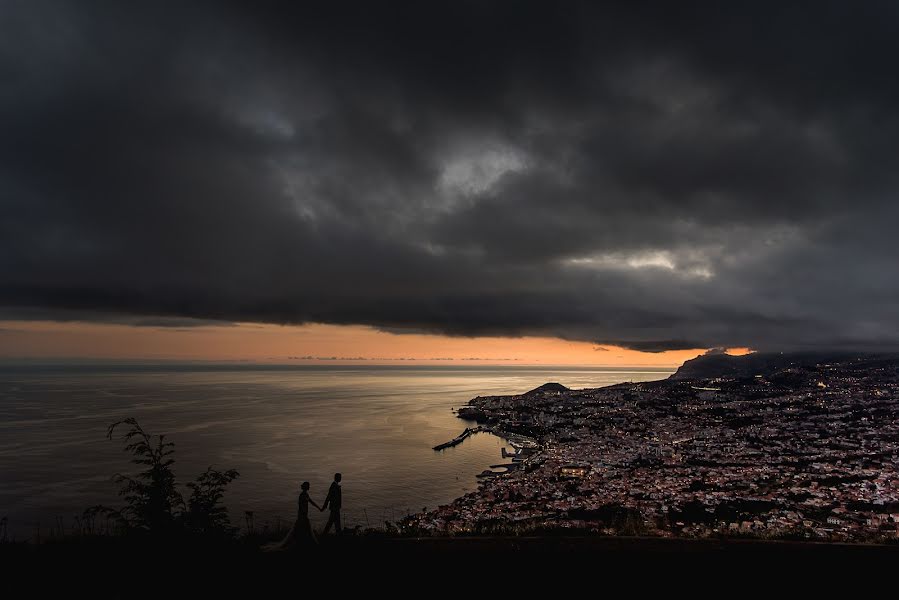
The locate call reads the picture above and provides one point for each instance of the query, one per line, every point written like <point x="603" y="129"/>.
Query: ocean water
<point x="278" y="425"/>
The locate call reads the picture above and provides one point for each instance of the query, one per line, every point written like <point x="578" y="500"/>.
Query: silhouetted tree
<point x="152" y="498"/>
<point x="153" y="503"/>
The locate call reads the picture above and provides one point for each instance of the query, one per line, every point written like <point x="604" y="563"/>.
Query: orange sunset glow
<point x="309" y="344"/>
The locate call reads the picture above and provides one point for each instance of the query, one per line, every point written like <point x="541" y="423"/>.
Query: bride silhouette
<point x="301" y="533"/>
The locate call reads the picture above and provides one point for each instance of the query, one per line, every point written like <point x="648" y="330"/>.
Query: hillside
<point x="710" y="366"/>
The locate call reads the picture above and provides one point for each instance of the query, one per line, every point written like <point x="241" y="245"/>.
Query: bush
<point x="205" y="513"/>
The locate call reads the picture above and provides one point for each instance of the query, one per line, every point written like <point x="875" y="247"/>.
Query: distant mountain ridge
<point x="709" y="366"/>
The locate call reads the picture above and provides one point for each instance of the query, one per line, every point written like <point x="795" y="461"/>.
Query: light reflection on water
<point x="277" y="425"/>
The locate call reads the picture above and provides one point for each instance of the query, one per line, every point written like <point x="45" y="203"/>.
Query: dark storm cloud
<point x="655" y="175"/>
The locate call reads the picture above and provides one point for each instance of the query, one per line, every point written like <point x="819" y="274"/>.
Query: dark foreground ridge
<point x="112" y="550"/>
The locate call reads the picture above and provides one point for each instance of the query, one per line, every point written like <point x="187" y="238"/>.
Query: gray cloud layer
<point x="658" y="175"/>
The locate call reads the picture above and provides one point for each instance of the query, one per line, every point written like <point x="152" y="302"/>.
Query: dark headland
<point x="709" y="366"/>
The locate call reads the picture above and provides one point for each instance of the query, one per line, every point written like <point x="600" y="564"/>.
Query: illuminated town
<point x="804" y="452"/>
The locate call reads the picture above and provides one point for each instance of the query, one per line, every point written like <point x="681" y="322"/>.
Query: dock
<point x="459" y="438"/>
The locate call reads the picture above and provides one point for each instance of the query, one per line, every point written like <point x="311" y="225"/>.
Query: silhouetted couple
<point x="301" y="534"/>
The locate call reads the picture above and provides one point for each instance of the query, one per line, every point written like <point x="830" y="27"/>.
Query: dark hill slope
<point x="724" y="365"/>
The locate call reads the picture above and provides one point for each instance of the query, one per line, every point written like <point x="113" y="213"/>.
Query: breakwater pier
<point x="460" y="438"/>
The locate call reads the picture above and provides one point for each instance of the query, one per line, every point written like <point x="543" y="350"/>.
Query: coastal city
<point x="802" y="452"/>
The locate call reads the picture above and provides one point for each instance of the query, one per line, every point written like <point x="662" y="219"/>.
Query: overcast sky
<point x="651" y="175"/>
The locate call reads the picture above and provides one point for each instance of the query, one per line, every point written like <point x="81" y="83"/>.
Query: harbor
<point x="522" y="448"/>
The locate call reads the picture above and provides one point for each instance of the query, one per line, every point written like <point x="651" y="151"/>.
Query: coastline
<point x="276" y="426"/>
<point x="583" y="461"/>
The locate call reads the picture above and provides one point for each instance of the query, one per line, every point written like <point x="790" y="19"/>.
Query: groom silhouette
<point x="334" y="502"/>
